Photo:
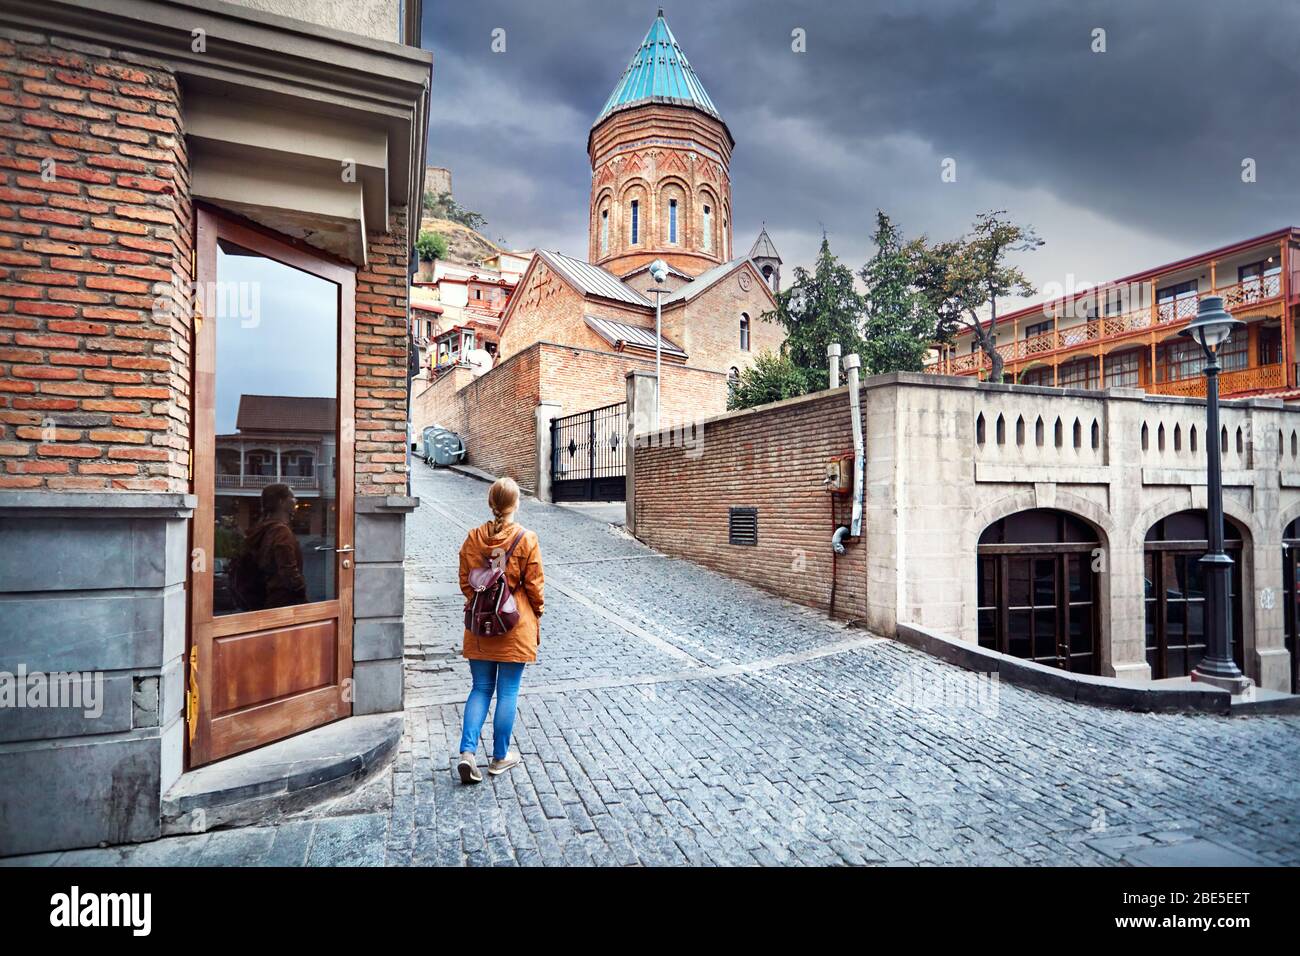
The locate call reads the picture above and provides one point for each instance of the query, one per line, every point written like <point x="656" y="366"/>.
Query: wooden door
<point x="271" y="571"/>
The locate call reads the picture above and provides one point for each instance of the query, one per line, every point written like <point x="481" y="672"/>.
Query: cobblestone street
<point x="675" y="717"/>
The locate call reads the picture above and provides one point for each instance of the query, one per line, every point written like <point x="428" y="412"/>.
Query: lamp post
<point x="659" y="272"/>
<point x="1210" y="329"/>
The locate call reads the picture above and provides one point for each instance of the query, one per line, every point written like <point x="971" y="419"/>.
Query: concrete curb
<point x="265" y="784"/>
<point x="1080" y="688"/>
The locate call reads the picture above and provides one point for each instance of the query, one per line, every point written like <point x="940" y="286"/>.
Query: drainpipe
<point x="833" y="355"/>
<point x="851" y="363"/>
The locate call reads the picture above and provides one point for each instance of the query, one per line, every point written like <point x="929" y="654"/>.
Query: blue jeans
<point x="505" y="680"/>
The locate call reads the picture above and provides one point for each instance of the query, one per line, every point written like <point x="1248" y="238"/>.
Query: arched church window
<point x="744" y="331"/>
<point x="604" y="231"/>
<point x="672" y="220"/>
<point x="708" y="229"/>
<point x="636" y="221"/>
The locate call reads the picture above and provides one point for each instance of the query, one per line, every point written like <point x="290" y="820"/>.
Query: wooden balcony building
<point x="1125" y="332"/>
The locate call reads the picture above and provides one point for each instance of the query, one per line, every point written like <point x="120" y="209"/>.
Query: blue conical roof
<point x="659" y="73"/>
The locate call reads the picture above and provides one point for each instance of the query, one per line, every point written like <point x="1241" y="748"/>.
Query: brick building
<point x="203" y="356"/>
<point x="660" y="157"/>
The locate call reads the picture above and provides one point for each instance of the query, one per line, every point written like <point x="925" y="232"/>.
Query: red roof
<point x="286" y="413"/>
<point x="1157" y="271"/>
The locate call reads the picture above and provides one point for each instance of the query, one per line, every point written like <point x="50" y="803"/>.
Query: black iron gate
<point x="588" y="455"/>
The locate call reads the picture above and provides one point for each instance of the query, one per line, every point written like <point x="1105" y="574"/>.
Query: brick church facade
<point x="660" y="155"/>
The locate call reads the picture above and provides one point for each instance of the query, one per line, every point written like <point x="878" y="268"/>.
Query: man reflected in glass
<point x="268" y="572"/>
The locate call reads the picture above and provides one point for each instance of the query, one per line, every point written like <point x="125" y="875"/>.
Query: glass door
<point x="271" y="579"/>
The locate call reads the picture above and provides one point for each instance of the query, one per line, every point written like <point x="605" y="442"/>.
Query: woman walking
<point x="496" y="661"/>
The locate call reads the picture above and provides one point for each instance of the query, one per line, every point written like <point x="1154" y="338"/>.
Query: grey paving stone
<point x="667" y="734"/>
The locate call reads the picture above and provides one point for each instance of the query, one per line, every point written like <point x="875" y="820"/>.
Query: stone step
<point x="265" y="784"/>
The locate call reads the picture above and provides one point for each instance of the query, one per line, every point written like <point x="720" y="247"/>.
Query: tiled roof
<point x="593" y="280"/>
<point x="621" y="335"/>
<point x="286" y="413"/>
<point x="702" y="281"/>
<point x="659" y="73"/>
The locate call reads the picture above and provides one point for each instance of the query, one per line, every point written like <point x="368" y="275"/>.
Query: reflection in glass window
<point x="1122" y="369"/>
<point x="276" y="512"/>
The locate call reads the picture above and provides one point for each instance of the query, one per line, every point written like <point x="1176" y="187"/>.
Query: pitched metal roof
<point x="659" y="73"/>
<point x="621" y="335"/>
<point x="645" y="267"/>
<point x="593" y="280"/>
<point x="764" y="247"/>
<point x="704" y="280"/>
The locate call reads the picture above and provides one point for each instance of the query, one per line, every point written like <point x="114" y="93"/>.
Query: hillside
<point x="464" y="245"/>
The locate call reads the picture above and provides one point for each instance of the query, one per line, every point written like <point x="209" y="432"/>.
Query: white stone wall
<point x="376" y="19"/>
<point x="933" y="487"/>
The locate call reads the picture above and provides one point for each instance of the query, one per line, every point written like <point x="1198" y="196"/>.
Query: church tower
<point x="767" y="259"/>
<point x="660" y="159"/>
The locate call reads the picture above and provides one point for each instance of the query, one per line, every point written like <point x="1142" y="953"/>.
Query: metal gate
<point x="589" y="455"/>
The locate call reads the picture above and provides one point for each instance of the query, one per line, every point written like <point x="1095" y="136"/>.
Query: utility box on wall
<point x="839" y="474"/>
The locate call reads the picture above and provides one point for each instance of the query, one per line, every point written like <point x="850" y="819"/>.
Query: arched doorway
<point x="1176" y="612"/>
<point x="1291" y="595"/>
<point x="1038" y="590"/>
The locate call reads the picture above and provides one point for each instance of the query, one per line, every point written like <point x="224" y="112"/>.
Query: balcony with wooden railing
<point x="1257" y="378"/>
<point x="1149" y="323"/>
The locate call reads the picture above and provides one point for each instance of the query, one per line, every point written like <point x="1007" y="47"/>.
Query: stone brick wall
<point x="435" y="403"/>
<point x="381" y="343"/>
<point x="654" y="153"/>
<point x="708" y="327"/>
<point x="581" y="379"/>
<point x="546" y="308"/>
<point x="495" y="413"/>
<point x="95" y="227"/>
<point x="772" y="459"/>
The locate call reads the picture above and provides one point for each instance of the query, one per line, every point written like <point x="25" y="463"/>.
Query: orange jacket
<point x="524" y="574"/>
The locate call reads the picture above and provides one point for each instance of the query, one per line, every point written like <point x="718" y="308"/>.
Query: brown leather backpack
<point x="492" y="612"/>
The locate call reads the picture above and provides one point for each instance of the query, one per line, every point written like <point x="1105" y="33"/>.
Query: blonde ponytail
<point x="503" y="499"/>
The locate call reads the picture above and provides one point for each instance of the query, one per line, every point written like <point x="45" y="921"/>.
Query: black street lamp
<point x="1211" y="328"/>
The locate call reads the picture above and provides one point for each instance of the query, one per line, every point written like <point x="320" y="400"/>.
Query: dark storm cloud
<point x="1120" y="159"/>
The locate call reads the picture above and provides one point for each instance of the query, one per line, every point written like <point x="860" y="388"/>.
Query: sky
<point x="277" y="333"/>
<point x="1120" y="160"/>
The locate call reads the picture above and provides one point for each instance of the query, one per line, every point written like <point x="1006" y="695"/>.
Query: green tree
<point x="431" y="245"/>
<point x="444" y="206"/>
<point x="899" y="330"/>
<point x="772" y="377"/>
<point x="958" y="279"/>
<point x="820" y="307"/>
